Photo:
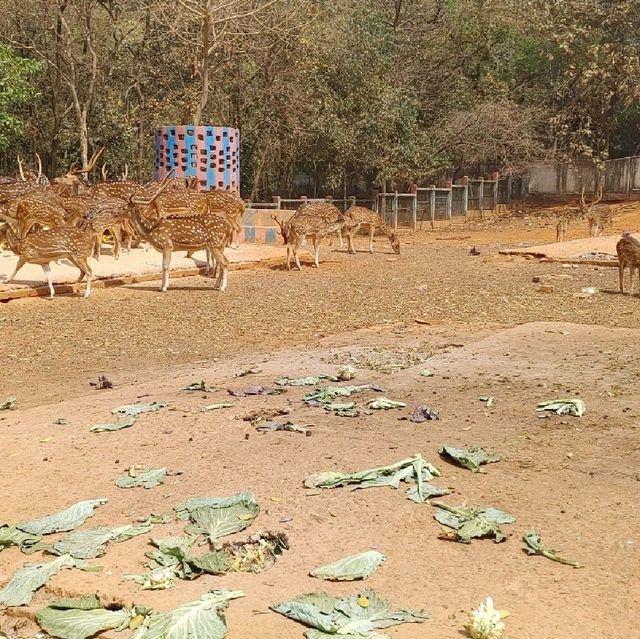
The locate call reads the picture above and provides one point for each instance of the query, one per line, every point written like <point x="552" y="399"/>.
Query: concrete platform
<point x="599" y="251"/>
<point x="142" y="264"/>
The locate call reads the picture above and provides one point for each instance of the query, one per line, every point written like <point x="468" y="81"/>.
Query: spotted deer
<point x="48" y="246"/>
<point x="72" y="181"/>
<point x="314" y="220"/>
<point x="628" y="250"/>
<point x="107" y="214"/>
<point x="359" y="216"/>
<point x="209" y="231"/>
<point x="561" y="229"/>
<point x="597" y="215"/>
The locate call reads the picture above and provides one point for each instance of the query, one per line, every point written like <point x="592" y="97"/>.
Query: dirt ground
<point x="485" y="328"/>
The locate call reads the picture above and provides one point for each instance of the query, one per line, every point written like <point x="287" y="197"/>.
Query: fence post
<point x="383" y="202"/>
<point x="414" y="207"/>
<point x="277" y="201"/>
<point x="509" y="186"/>
<point x="352" y="200"/>
<point x="432" y="205"/>
<point x="465" y="195"/>
<point x="494" y="193"/>
<point x="374" y="204"/>
<point x="449" y="185"/>
<point x="480" y="195"/>
<point x="395" y="211"/>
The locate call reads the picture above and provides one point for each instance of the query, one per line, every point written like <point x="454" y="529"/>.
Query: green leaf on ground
<point x="575" y="407"/>
<point x="64" y="520"/>
<point x="8" y="404"/>
<point x="12" y="536"/>
<point x="471" y="458"/>
<point x="534" y="546"/>
<point x="198" y="386"/>
<point x="105" y="428"/>
<point x="357" y="616"/>
<point x="79" y="619"/>
<point x="22" y="586"/>
<point x="305" y="381"/>
<point x="133" y="410"/>
<point x="145" y="477"/>
<point x="218" y="406"/>
<point x="471" y="522"/>
<point x="384" y="403"/>
<point x="411" y="470"/>
<point x="351" y="568"/>
<point x="218" y="517"/>
<point x="202" y="619"/>
<point x="84" y="544"/>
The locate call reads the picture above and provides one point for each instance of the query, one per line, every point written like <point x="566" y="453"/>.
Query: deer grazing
<point x="358" y="216"/>
<point x="209" y="231"/>
<point x="628" y="250"/>
<point x="314" y="220"/>
<point x="107" y="214"/>
<point x="597" y="215"/>
<point x="48" y="246"/>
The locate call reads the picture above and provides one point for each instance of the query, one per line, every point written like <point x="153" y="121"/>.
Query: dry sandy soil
<point x="489" y="332"/>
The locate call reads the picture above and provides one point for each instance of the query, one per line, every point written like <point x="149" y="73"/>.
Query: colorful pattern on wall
<point x="209" y="153"/>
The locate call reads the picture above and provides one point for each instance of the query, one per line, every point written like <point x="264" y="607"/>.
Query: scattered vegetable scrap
<point x="384" y="404"/>
<point x="305" y="381"/>
<point x="534" y="546"/>
<point x="411" y="470"/>
<point x="200" y="386"/>
<point x="104" y="428"/>
<point x="133" y="410"/>
<point x="575" y="407"/>
<point x="471" y="458"/>
<point x="422" y="413"/>
<point x="357" y="616"/>
<point x="267" y="427"/>
<point x="486" y="622"/>
<point x="489" y="400"/>
<point x="9" y="404"/>
<point x="64" y="520"/>
<point x="471" y="522"/>
<point x="351" y="568"/>
<point x="145" y="477"/>
<point x="256" y="390"/>
<point x="218" y="406"/>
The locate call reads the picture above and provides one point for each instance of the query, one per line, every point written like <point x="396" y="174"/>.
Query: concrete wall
<point x="620" y="178"/>
<point x="258" y="226"/>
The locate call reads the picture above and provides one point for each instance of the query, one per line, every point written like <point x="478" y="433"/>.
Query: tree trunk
<point x="204" y="68"/>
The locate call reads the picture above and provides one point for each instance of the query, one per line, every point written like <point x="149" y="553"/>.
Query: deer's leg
<point x="166" y="263"/>
<point x="295" y="249"/>
<point x="372" y="232"/>
<point x="47" y="273"/>
<point x="19" y="265"/>
<point x="83" y="265"/>
<point x="97" y="249"/>
<point x="288" y="257"/>
<point x="621" y="276"/>
<point x="115" y="233"/>
<point x="223" y="264"/>
<point x="316" y="252"/>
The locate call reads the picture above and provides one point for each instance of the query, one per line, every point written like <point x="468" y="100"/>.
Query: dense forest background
<point x="328" y="94"/>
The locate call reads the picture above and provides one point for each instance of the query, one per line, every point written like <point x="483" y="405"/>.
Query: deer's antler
<point x="23" y="178"/>
<point x="104" y="172"/>
<point x="90" y="166"/>
<point x="125" y="173"/>
<point x="39" y="166"/>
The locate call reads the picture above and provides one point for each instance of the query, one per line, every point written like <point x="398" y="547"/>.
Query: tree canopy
<point x="329" y="95"/>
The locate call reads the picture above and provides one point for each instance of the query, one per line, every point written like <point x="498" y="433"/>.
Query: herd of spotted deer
<point x="66" y="219"/>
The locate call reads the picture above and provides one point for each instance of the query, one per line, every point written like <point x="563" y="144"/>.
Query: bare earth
<point x="488" y="332"/>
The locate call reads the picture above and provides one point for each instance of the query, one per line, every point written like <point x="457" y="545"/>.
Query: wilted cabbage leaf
<point x="198" y="386"/>
<point x="84" y="544"/>
<point x="267" y="427"/>
<point x="412" y="470"/>
<point x="305" y="381"/>
<point x="134" y="410"/>
<point x="81" y="618"/>
<point x="348" y="409"/>
<point x="105" y="428"/>
<point x="216" y="517"/>
<point x="145" y="477"/>
<point x="534" y="546"/>
<point x="218" y="406"/>
<point x="470" y="458"/>
<point x="471" y="522"/>
<point x="195" y="620"/>
<point x="384" y="403"/>
<point x="351" y="568"/>
<point x="329" y="393"/>
<point x="11" y="536"/>
<point x="22" y="586"/>
<point x="64" y="520"/>
<point x="575" y="407"/>
<point x="8" y="404"/>
<point x="489" y="400"/>
<point x="352" y="617"/>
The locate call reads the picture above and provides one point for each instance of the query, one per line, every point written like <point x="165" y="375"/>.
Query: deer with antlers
<point x="597" y="215"/>
<point x="209" y="231"/>
<point x="48" y="246"/>
<point x="360" y="216"/>
<point x="71" y="181"/>
<point x="108" y="214"/>
<point x="313" y="220"/>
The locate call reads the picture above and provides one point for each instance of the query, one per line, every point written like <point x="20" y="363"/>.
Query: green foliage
<point x="18" y="78"/>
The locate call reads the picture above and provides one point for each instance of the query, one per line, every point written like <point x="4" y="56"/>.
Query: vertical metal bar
<point x="480" y="195"/>
<point x="414" y="211"/>
<point x="395" y="211"/>
<point x="432" y="205"/>
<point x="465" y="196"/>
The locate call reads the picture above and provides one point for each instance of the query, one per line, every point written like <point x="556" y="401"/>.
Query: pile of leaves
<point x="471" y="522"/>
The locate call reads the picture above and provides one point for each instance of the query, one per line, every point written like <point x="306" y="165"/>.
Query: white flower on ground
<point x="486" y="622"/>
